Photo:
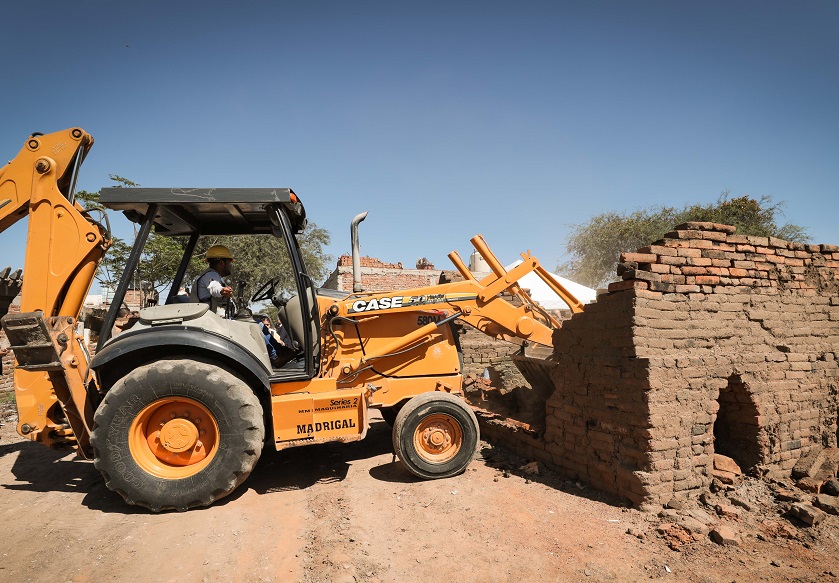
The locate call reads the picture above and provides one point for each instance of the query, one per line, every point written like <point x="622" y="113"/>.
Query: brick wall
<point x="712" y="342"/>
<point x="7" y="378"/>
<point x="378" y="276"/>
<point x="480" y="352"/>
<point x="346" y="261"/>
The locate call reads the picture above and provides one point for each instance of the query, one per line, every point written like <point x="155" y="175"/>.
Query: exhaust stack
<point x="356" y="259"/>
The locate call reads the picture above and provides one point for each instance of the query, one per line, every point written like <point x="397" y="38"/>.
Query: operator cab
<point x="193" y="213"/>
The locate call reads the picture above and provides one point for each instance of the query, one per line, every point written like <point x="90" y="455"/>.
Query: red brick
<point x="689" y="252"/>
<point x="706" y="226"/>
<point x="687" y="289"/>
<point x="713" y="236"/>
<point x="701" y="261"/>
<point x="684" y="234"/>
<point x="639" y="257"/>
<point x="628" y="284"/>
<point x="659" y="250"/>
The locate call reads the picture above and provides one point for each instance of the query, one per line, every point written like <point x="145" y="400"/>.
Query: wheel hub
<point x="438" y="438"/>
<point x="174" y="437"/>
<point x="178" y="435"/>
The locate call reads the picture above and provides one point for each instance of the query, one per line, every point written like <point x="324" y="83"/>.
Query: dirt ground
<point x="346" y="513"/>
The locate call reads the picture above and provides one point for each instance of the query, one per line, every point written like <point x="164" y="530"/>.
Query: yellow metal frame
<point x="381" y="349"/>
<point x="377" y="350"/>
<point x="63" y="250"/>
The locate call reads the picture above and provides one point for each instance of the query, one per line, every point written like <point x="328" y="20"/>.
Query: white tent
<point x="543" y="294"/>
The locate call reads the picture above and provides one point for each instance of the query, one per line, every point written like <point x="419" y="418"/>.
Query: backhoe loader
<point x="174" y="411"/>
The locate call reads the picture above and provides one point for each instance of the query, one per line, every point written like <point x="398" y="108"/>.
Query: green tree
<point x="113" y="264"/>
<point x="259" y="258"/>
<point x="594" y="246"/>
<point x="159" y="262"/>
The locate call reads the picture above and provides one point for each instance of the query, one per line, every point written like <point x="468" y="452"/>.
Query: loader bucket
<point x="535" y="365"/>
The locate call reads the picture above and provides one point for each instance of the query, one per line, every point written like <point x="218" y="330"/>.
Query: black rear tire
<point x="436" y="435"/>
<point x="129" y="433"/>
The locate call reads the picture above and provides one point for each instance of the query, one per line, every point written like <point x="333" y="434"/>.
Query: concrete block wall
<point x="712" y="342"/>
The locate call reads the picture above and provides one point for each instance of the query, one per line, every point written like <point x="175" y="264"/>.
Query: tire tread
<point x="130" y="387"/>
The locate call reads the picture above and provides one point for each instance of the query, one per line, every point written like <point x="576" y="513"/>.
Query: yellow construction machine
<point x="174" y="412"/>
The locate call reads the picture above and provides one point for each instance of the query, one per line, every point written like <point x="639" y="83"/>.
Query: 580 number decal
<point x="429" y="319"/>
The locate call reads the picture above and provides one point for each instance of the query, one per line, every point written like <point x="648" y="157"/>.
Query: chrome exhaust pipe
<point x="356" y="258"/>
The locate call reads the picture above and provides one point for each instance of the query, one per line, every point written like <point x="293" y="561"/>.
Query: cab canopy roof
<point x="206" y="211"/>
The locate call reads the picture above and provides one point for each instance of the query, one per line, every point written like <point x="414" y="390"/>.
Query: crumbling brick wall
<point x="378" y="276"/>
<point x="481" y="352"/>
<point x="712" y="342"/>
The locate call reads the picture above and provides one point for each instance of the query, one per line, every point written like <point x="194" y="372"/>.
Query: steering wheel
<point x="265" y="291"/>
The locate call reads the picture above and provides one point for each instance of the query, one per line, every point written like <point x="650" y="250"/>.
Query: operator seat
<point x="291" y="317"/>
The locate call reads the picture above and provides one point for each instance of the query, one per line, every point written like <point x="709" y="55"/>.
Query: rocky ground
<point x="349" y="513"/>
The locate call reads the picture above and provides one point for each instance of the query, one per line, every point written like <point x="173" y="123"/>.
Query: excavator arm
<point x="64" y="244"/>
<point x="63" y="250"/>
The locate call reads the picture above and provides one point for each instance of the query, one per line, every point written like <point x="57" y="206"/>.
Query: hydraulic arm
<point x="481" y="304"/>
<point x="64" y="248"/>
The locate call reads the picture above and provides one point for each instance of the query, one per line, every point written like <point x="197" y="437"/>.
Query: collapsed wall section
<point x="712" y="342"/>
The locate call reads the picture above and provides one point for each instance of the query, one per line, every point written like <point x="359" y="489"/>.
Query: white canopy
<point x="543" y="294"/>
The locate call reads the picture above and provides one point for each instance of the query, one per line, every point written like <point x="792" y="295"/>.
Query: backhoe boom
<point x="63" y="250"/>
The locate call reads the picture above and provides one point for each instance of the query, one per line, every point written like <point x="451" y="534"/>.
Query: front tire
<point x="436" y="435"/>
<point x="177" y="434"/>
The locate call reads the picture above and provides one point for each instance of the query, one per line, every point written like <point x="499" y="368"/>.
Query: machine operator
<point x="209" y="288"/>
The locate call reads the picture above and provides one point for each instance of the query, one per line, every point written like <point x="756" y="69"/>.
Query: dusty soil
<point x="347" y="513"/>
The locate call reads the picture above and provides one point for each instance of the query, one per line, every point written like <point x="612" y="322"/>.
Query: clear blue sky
<point x="443" y="119"/>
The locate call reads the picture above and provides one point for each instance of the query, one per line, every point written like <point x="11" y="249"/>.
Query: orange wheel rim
<point x="438" y="438"/>
<point x="174" y="438"/>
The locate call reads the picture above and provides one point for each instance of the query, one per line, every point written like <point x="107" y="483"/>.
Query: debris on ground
<point x="749" y="509"/>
